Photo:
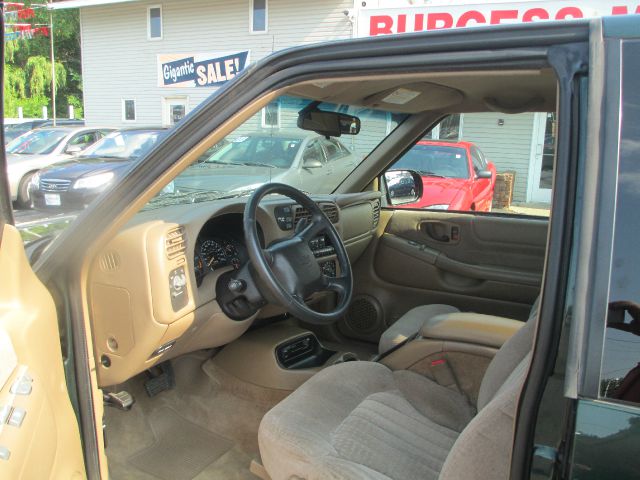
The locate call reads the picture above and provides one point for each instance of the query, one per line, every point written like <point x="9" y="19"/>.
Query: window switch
<point x="4" y="453"/>
<point x="21" y="387"/>
<point x="4" y="413"/>
<point x="17" y="417"/>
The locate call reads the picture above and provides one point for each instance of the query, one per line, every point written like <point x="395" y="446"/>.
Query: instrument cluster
<point x="214" y="253"/>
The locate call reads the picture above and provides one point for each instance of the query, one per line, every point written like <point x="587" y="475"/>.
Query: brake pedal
<point x="121" y="400"/>
<point x="159" y="382"/>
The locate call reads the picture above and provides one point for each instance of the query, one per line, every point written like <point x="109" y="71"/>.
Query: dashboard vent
<point x="329" y="209"/>
<point x="175" y="243"/>
<point x="376" y="213"/>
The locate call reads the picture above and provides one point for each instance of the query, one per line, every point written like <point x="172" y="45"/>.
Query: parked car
<point x="401" y="186"/>
<point x="245" y="161"/>
<point x="489" y="346"/>
<point x="455" y="176"/>
<point x="42" y="147"/>
<point x="73" y="184"/>
<point x="14" y="130"/>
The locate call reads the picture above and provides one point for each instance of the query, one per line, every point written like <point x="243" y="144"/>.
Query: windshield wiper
<point x="236" y="164"/>
<point x="110" y="157"/>
<point x="431" y="174"/>
<point x="257" y="164"/>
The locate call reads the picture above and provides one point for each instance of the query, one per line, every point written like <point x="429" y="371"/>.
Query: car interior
<point x="333" y="336"/>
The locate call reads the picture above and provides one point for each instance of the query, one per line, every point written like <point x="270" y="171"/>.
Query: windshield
<point x="19" y="127"/>
<point x="125" y="145"/>
<point x="257" y="149"/>
<point x="37" y="142"/>
<point x="436" y="160"/>
<point x="270" y="147"/>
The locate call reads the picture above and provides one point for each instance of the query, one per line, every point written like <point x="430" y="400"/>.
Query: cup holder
<point x="346" y="357"/>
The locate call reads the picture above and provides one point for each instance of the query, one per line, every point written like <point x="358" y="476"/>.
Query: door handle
<point x="441" y="232"/>
<point x="437" y="231"/>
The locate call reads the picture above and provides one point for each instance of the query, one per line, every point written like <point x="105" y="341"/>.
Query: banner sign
<point x="385" y="21"/>
<point x="200" y="70"/>
<point x="25" y="32"/>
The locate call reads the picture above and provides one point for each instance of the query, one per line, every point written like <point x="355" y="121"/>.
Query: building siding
<point x="116" y="52"/>
<point x="507" y="146"/>
<point x="119" y="62"/>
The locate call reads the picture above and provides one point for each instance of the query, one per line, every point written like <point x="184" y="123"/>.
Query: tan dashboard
<point x="147" y="304"/>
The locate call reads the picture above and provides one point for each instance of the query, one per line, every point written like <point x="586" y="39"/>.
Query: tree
<point x="28" y="67"/>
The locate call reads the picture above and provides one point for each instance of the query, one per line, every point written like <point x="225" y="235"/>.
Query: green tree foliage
<point x="27" y="73"/>
<point x="38" y="70"/>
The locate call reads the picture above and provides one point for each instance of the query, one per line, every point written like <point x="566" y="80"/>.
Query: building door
<point x="174" y="109"/>
<point x="542" y="157"/>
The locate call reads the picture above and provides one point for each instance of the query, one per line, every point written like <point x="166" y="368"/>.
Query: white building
<point x="149" y="62"/>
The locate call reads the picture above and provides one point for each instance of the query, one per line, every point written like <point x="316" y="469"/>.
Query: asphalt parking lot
<point x="34" y="224"/>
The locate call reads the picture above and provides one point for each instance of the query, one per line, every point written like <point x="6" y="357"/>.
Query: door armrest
<point x="475" y="328"/>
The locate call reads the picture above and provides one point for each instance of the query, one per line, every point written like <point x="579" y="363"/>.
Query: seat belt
<point x="443" y="374"/>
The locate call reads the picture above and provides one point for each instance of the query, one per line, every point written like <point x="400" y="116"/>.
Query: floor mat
<point x="182" y="449"/>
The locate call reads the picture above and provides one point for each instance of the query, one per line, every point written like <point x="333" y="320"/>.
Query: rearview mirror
<point x="329" y="124"/>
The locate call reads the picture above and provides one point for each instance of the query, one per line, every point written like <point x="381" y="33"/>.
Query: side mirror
<point x="74" y="149"/>
<point x="329" y="124"/>
<point x="312" y="163"/>
<point x="403" y="186"/>
<point x="484" y="174"/>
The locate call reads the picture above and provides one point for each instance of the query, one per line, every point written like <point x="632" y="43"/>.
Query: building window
<point x="271" y="115"/>
<point x="154" y="23"/>
<point x="129" y="110"/>
<point x="258" y="16"/>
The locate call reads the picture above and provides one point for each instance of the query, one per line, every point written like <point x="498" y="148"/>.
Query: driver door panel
<point x="39" y="436"/>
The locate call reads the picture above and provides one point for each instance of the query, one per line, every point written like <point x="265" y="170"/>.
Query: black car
<point x="403" y="186"/>
<point x="16" y="129"/>
<point x="74" y="184"/>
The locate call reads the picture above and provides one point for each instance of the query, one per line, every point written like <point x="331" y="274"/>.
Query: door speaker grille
<point x="364" y="315"/>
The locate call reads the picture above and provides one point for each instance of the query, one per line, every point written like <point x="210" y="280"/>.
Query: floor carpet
<point x="204" y="428"/>
<point x="178" y="438"/>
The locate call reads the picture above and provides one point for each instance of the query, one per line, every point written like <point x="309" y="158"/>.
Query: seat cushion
<point x="411" y="323"/>
<point x="361" y="420"/>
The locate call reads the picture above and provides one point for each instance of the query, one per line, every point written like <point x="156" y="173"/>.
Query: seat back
<point x="483" y="449"/>
<point x="507" y="359"/>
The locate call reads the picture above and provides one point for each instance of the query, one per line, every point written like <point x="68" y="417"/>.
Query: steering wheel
<point x="287" y="272"/>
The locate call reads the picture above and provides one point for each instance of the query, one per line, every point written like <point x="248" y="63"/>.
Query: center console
<point x="280" y="356"/>
<point x="288" y="216"/>
<point x="302" y="352"/>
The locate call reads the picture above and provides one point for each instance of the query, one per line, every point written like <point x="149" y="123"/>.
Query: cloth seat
<point x="409" y="324"/>
<point x="360" y="420"/>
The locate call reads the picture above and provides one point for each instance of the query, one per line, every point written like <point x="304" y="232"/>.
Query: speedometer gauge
<point x="213" y="254"/>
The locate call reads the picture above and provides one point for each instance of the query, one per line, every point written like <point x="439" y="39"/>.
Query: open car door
<point x="39" y="436"/>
